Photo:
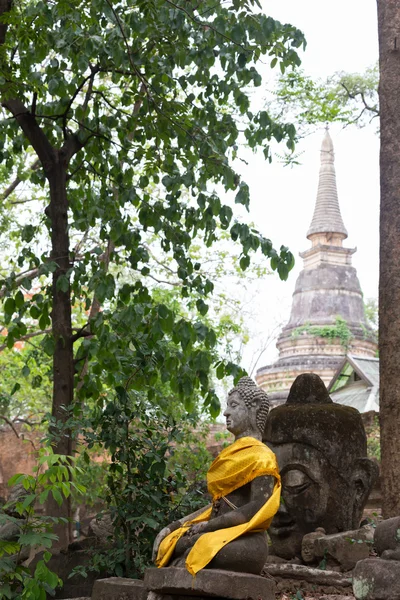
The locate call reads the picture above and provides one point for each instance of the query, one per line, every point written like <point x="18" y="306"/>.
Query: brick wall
<point x="17" y="455"/>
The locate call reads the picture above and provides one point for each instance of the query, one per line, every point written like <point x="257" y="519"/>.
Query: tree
<point x="121" y="108"/>
<point x="389" y="267"/>
<point x="346" y="98"/>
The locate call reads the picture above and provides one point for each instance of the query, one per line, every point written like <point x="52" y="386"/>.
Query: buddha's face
<point x="239" y="418"/>
<point x="314" y="495"/>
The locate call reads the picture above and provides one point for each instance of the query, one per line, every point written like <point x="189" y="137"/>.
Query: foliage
<point x="134" y="111"/>
<point x="339" y="330"/>
<point x="155" y="476"/>
<point x="347" y="98"/>
<point x="373" y="439"/>
<point x="25" y="392"/>
<point x="371" y="313"/>
<point x="53" y="475"/>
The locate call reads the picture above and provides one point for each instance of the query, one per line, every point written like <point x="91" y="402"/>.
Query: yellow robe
<point x="236" y="465"/>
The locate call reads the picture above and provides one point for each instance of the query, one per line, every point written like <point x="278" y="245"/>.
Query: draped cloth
<point x="237" y="465"/>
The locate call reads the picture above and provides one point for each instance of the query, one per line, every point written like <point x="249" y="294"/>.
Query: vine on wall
<point x="338" y="330"/>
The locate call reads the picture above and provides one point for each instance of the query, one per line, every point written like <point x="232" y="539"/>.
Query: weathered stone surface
<point x="387" y="535"/>
<point x="119" y="588"/>
<point x="308" y="545"/>
<point x="157" y="596"/>
<point x="335" y="597"/>
<point x="213" y="583"/>
<point x="321" y="449"/>
<point x="101" y="527"/>
<point x="309" y="574"/>
<point x="345" y="548"/>
<point x="10" y="531"/>
<point x="377" y="579"/>
<point x="391" y="554"/>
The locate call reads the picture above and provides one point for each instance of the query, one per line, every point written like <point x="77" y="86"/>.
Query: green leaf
<point x="16" y="388"/>
<point x="202" y="307"/>
<point x="9" y="306"/>
<point x="19" y="299"/>
<point x="57" y="495"/>
<point x="48" y="345"/>
<point x="63" y="283"/>
<point x="242" y="60"/>
<point x="25" y="370"/>
<point x="28" y="233"/>
<point x="244" y="262"/>
<point x="34" y="312"/>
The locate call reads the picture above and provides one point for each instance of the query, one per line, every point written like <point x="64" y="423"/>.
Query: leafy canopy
<point x="145" y="103"/>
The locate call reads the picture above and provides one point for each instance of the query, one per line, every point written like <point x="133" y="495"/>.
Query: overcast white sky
<point x="341" y="35"/>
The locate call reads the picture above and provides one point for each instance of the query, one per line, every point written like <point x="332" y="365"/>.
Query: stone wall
<point x="17" y="454"/>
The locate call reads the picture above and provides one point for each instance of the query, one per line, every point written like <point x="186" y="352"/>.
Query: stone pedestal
<point x="377" y="579"/>
<point x="119" y="588"/>
<point x="178" y="584"/>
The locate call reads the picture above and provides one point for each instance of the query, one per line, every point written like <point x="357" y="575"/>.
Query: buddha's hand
<point x="163" y="534"/>
<point x="196" y="529"/>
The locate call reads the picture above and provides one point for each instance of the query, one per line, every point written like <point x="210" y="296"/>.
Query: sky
<point x="341" y="36"/>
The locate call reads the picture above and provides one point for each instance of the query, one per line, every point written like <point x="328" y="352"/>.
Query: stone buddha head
<point x="247" y="409"/>
<point x="321" y="449"/>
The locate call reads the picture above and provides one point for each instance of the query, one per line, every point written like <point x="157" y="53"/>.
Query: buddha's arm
<point x="173" y="526"/>
<point x="261" y="490"/>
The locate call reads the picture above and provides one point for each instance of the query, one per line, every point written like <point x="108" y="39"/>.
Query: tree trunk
<point x="389" y="283"/>
<point x="5" y="6"/>
<point x="63" y="367"/>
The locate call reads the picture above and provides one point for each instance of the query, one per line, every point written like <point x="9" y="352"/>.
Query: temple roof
<point x="356" y="383"/>
<point x="327" y="217"/>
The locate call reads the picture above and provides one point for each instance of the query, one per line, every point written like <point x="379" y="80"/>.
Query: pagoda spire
<point x="327" y="217"/>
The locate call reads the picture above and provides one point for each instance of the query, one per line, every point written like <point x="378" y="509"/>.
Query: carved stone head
<point x="321" y="449"/>
<point x="247" y="409"/>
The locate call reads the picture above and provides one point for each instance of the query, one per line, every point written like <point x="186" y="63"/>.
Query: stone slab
<point x="387" y="535"/>
<point x="346" y="548"/>
<point x="335" y="597"/>
<point x="309" y="574"/>
<point x="119" y="588"/>
<point x="376" y="579"/>
<point x="157" y="596"/>
<point x="211" y="583"/>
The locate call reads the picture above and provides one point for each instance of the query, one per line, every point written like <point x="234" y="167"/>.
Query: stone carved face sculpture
<point x="322" y="455"/>
<point x="247" y="409"/>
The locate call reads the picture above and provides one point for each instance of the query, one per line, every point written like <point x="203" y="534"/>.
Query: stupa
<point x="327" y="319"/>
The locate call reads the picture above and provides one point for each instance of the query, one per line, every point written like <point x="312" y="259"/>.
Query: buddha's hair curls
<point x="250" y="393"/>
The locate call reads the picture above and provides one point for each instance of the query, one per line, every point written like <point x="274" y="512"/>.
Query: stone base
<point x="377" y="579"/>
<point x="119" y="588"/>
<point x="308" y="574"/>
<point x="209" y="583"/>
<point x="344" y="549"/>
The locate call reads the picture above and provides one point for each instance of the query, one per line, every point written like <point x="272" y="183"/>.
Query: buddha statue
<point x="245" y="487"/>
<point x="321" y="449"/>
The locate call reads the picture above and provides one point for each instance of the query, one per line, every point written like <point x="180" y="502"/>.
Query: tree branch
<point x="16" y="183"/>
<point x="11" y="424"/>
<point x="28" y="336"/>
<point x="18" y="280"/>
<point x="5" y="6"/>
<point x="33" y="132"/>
<point x="360" y="93"/>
